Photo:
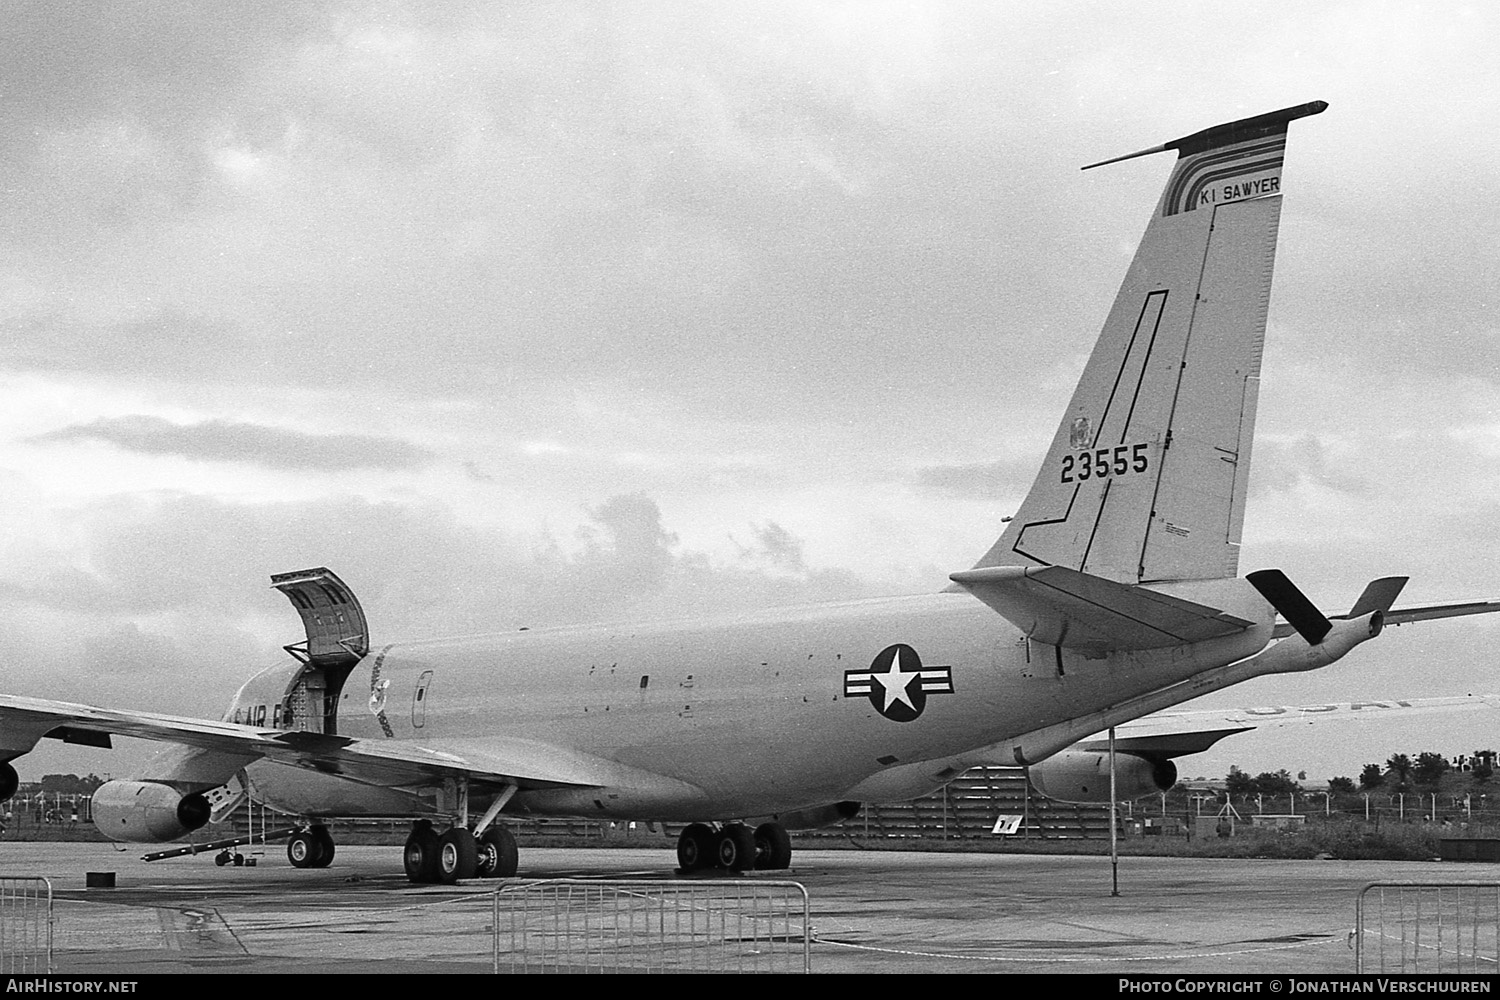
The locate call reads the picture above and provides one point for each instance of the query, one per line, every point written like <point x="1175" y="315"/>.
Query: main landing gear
<point x="457" y="855"/>
<point x="310" y="848"/>
<point x="734" y="847"/>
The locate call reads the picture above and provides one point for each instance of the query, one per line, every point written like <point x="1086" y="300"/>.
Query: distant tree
<point x="1371" y="777"/>
<point x="1399" y="768"/>
<point x="1429" y="768"/>
<point x="1237" y="783"/>
<point x="1280" y="783"/>
<point x="1342" y="786"/>
<point x="70" y="784"/>
<point x="1301" y="775"/>
<point x="1482" y="771"/>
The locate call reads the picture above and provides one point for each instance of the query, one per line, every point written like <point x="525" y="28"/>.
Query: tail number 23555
<point x="1126" y="459"/>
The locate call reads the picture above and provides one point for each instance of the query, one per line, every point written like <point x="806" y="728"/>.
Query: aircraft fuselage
<point x="751" y="714"/>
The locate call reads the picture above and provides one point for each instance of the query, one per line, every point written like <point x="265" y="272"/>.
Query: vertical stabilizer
<point x="1145" y="479"/>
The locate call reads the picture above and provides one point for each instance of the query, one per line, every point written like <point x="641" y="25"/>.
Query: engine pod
<point x="147" y="812"/>
<point x="1083" y="776"/>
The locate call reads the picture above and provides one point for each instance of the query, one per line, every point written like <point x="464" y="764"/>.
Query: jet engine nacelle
<point x="1083" y="776"/>
<point x="147" y="812"/>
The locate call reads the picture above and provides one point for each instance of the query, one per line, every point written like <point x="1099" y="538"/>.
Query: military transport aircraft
<point x="1112" y="593"/>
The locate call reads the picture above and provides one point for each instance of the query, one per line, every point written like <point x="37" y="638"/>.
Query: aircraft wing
<point x="1176" y="734"/>
<point x="391" y="763"/>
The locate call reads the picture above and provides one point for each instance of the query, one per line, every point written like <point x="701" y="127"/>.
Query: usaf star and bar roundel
<point x="897" y="684"/>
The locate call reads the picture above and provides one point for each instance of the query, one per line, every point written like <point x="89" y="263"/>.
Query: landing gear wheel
<point x="303" y="849"/>
<point x="773" y="848"/>
<point x="695" y="848"/>
<point x="458" y="856"/>
<point x="498" y="857"/>
<point x="736" y="848"/>
<point x="421" y="854"/>
<point x="325" y="845"/>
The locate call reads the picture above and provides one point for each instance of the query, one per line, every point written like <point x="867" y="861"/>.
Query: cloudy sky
<point x="546" y="313"/>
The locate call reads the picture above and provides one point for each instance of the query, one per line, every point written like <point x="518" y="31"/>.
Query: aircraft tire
<point x="420" y="857"/>
<point x="325" y="845"/>
<point x="303" y="849"/>
<point x="695" y="848"/>
<point x="498" y="855"/>
<point x="773" y="848"/>
<point x="458" y="856"/>
<point x="9" y="781"/>
<point x="735" y="850"/>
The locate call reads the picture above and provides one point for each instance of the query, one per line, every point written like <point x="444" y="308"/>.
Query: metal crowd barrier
<point x="1427" y="927"/>
<point x="25" y="925"/>
<point x="584" y="925"/>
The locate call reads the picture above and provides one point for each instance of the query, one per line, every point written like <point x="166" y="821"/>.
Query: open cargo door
<point x="336" y="640"/>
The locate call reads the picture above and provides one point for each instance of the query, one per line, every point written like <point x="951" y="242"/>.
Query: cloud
<point x="630" y="548"/>
<point x="153" y="582"/>
<point x="1282" y="465"/>
<point x="776" y="546"/>
<point x="981" y="480"/>
<point x="227" y="441"/>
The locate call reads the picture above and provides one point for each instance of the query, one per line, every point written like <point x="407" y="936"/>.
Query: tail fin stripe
<point x="1139" y="359"/>
<point x="1161" y="307"/>
<point x="1186" y="187"/>
<point x="1195" y="197"/>
<point x="1272" y="148"/>
<point x="1021" y="535"/>
<point x="1098" y="517"/>
<point x="1131" y="357"/>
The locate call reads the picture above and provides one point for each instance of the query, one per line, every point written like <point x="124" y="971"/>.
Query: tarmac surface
<point x="872" y="912"/>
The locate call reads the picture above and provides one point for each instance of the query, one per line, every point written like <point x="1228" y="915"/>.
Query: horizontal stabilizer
<point x="1063" y="607"/>
<point x="1293" y="605"/>
<point x="1379" y="595"/>
<point x="1416" y="613"/>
